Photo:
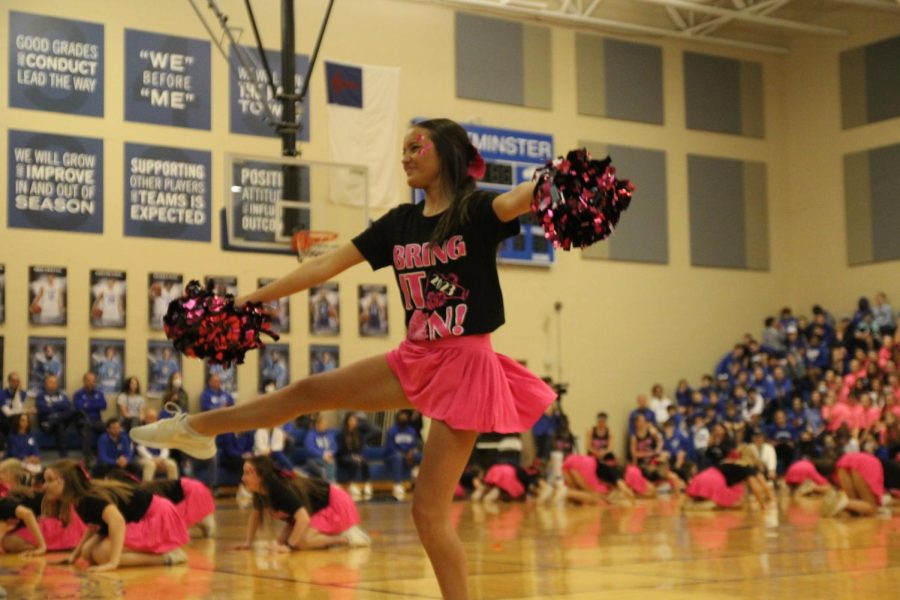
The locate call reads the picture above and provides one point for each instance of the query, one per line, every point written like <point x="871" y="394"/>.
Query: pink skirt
<point x="709" y="484"/>
<point x="339" y="516"/>
<point x="868" y="467"/>
<point x="586" y="466"/>
<point x="504" y="477"/>
<point x="198" y="502"/>
<point x="635" y="479"/>
<point x="803" y="470"/>
<point x="57" y="536"/>
<point x="161" y="529"/>
<point x="464" y="383"/>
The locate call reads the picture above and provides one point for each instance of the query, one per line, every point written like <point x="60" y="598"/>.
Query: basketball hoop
<point x="307" y="243"/>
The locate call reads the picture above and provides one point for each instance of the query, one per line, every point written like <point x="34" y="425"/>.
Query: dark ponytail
<point x="456" y="152"/>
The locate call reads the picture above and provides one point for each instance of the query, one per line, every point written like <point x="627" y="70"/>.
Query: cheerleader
<point x="589" y="480"/>
<point x="191" y="498"/>
<point x="316" y="514"/>
<point x="807" y="477"/>
<point x="860" y="477"/>
<point x="21" y="530"/>
<point x="127" y="526"/>
<point x="722" y="485"/>
<point x="513" y="482"/>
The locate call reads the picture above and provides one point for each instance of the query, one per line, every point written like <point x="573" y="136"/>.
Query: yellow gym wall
<point x="816" y="145"/>
<point x="624" y="325"/>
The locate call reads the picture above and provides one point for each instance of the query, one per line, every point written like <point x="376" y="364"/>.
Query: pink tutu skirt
<point x="586" y="466"/>
<point x="198" y="502"/>
<point x="635" y="479"/>
<point x="868" y="467"/>
<point x="339" y="516"/>
<point x="161" y="529"/>
<point x="504" y="477"/>
<point x="709" y="484"/>
<point x="464" y="383"/>
<point x="57" y="536"/>
<point x="803" y="470"/>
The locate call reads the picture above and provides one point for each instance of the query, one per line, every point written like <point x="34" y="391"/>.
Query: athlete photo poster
<point x="162" y="289"/>
<point x="2" y="295"/>
<point x="324" y="309"/>
<point x="222" y="284"/>
<point x="279" y="309"/>
<point x="108" y="364"/>
<point x="107" y="299"/>
<point x="323" y="358"/>
<point x="47" y="295"/>
<point x="274" y="366"/>
<point x="373" y="316"/>
<point x="46" y="356"/>
<point x="162" y="362"/>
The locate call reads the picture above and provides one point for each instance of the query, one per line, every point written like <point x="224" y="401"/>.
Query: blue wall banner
<point x="247" y="114"/>
<point x="55" y="64"/>
<point x="167" y="193"/>
<point x="510" y="158"/>
<point x="167" y="80"/>
<point x="55" y="182"/>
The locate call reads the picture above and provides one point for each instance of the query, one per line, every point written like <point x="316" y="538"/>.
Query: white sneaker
<point x="174" y="557"/>
<point x="399" y="492"/>
<point x="840" y="504"/>
<point x="173" y="433"/>
<point x="828" y="503"/>
<point x="560" y="493"/>
<point x="243" y="497"/>
<point x="208" y="526"/>
<point x="357" y="538"/>
<point x="367" y="491"/>
<point x="355" y="492"/>
<point x="493" y="495"/>
<point x="545" y="494"/>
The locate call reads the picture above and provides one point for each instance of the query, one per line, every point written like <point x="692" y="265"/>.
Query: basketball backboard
<point x="268" y="199"/>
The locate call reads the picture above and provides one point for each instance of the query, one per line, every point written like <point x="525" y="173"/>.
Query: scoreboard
<point x="510" y="158"/>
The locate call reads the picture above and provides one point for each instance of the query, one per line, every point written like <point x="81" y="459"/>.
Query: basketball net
<point x="307" y="243"/>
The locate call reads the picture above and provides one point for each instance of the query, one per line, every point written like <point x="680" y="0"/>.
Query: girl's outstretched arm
<point x="309" y="273"/>
<point x="514" y="203"/>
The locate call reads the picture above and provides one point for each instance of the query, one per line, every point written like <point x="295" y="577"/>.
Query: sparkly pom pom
<point x="211" y="327"/>
<point x="578" y="200"/>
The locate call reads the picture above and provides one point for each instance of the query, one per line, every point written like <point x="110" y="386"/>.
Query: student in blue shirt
<point x="784" y="438"/>
<point x="22" y="444"/>
<point x="321" y="446"/>
<point x="90" y="403"/>
<point x="114" y="451"/>
<point x="402" y="452"/>
<point x="56" y="414"/>
<point x="214" y="396"/>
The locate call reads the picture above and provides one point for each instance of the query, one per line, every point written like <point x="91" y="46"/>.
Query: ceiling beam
<point x="742" y="15"/>
<point x="587" y="22"/>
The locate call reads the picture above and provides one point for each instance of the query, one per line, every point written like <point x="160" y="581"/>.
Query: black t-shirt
<point x="170" y="489"/>
<point x="734" y="473"/>
<point x="451" y="290"/>
<point x="91" y="509"/>
<point x="9" y="504"/>
<point x="284" y="499"/>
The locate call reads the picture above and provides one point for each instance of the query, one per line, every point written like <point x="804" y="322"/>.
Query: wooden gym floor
<point x="649" y="551"/>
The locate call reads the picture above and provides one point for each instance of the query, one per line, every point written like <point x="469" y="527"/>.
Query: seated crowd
<point x="813" y="389"/>
<point x="51" y="421"/>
